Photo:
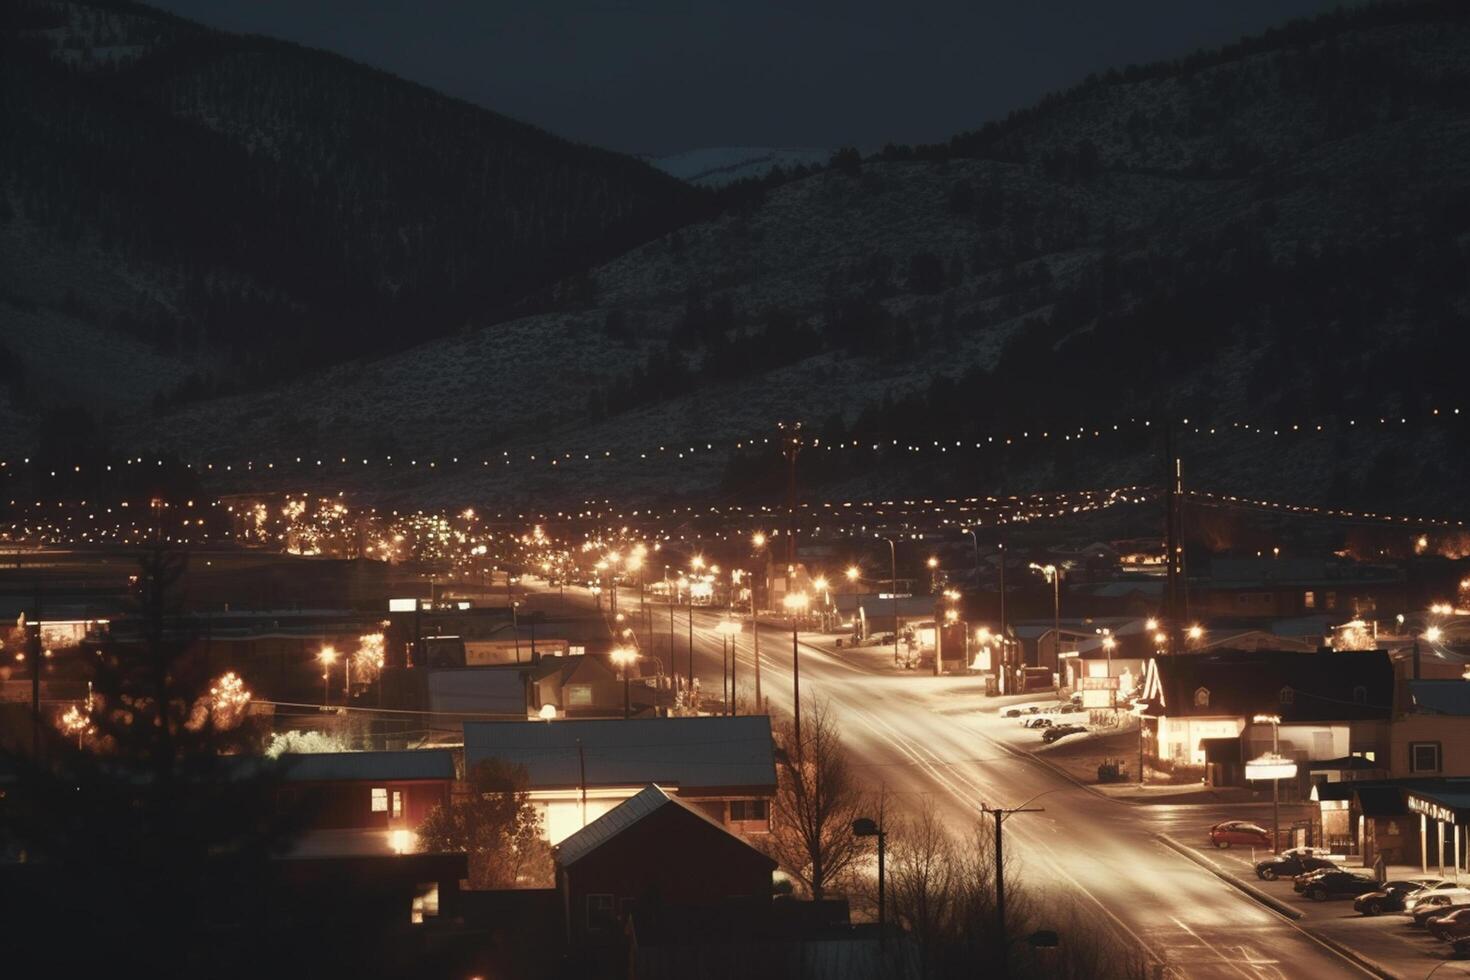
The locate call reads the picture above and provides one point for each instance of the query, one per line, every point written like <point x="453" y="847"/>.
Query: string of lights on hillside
<point x="1339" y="513"/>
<point x="706" y="448"/>
<point x="307" y="524"/>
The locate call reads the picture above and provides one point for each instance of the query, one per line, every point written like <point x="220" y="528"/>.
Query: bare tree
<point x="817" y="798"/>
<point x="942" y="897"/>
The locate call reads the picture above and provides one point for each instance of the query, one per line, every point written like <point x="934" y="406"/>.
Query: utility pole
<point x="893" y="586"/>
<point x="582" y="778"/>
<point x="1005" y="658"/>
<point x="1001" y="813"/>
<point x="1171" y="540"/>
<point x="755" y="640"/>
<point x="36" y="655"/>
<point x="790" y="447"/>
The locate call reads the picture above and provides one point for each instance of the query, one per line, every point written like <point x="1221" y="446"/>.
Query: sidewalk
<point x="1387" y="945"/>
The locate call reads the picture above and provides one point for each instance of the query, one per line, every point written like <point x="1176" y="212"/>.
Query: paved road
<point x="910" y="737"/>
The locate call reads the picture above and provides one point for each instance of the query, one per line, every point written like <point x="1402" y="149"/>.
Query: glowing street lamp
<point x="625" y="658"/>
<point x="1273" y="769"/>
<point x="758" y="539"/>
<point x="327" y="656"/>
<point x="796" y="603"/>
<point x="1053" y="575"/>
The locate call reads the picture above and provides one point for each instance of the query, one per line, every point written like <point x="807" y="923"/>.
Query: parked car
<point x="1240" y="833"/>
<point x="1289" y="864"/>
<point x="1299" y="882"/>
<point x="1338" y="884"/>
<point x="1441" y="898"/>
<point x="1391" y="895"/>
<point x="1069" y="708"/>
<point x="1451" y="926"/>
<point x="1057" y="732"/>
<point x="1011" y="713"/>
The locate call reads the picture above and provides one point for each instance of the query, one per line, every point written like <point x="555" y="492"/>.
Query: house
<point x="365" y="803"/>
<point x="651" y="851"/>
<point x="1331" y="706"/>
<point x="582" y="686"/>
<point x="579" y="769"/>
<point x="1271" y="587"/>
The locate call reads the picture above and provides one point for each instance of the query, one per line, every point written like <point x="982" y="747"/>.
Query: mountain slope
<point x="1274" y="241"/>
<point x="255" y="204"/>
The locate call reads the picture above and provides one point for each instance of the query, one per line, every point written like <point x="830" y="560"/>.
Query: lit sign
<point x="891" y="595"/>
<point x="1099" y="683"/>
<point x="403" y="605"/>
<point x="1432" y="810"/>
<point x="1270" y="767"/>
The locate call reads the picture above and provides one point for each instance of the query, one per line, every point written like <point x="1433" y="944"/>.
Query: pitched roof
<point x="360" y="766"/>
<point x="701" y="751"/>
<point x="1299" y="687"/>
<point x="630" y="812"/>
<point x="477" y="690"/>
<point x="1441" y="697"/>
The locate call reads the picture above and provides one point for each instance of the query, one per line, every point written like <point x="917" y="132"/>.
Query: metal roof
<point x="646" y="802"/>
<point x="1441" y="697"/>
<point x="477" y="690"/>
<point x="364" y="766"/>
<point x="685" y="752"/>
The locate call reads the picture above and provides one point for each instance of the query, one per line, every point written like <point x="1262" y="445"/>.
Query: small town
<point x="586" y="490"/>
<point x="506" y="753"/>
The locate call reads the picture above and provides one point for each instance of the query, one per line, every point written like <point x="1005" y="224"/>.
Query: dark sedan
<point x="1433" y="908"/>
<point x="1388" y="897"/>
<point x="1339" y="884"/>
<point x="1289" y="866"/>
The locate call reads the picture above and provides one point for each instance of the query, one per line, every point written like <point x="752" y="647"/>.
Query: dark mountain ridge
<point x="283" y="208"/>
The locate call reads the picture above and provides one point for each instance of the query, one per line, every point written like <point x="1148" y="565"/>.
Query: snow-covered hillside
<point x="721" y="165"/>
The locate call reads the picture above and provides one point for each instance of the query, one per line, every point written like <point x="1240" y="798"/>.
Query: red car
<point x="1241" y="833"/>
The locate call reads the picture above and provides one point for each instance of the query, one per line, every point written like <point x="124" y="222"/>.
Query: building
<point x="1273" y="587"/>
<point x="365" y="803"/>
<point x="579" y="769"/>
<point x="583" y="686"/>
<point x="1332" y="706"/>
<point x="655" y="850"/>
<point x="1431" y="736"/>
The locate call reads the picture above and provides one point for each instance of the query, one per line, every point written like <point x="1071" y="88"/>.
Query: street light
<point x="327" y="656"/>
<point x="796" y="603"/>
<point x="625" y="658"/>
<point x="1107" y="644"/>
<point x="893" y="584"/>
<point x="1275" y="722"/>
<point x="867" y="827"/>
<point x="1053" y="576"/>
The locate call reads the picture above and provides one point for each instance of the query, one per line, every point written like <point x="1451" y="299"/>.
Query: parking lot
<point x="1388" y="941"/>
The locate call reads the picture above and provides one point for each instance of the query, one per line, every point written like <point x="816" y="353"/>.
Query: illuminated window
<point x="425" y="903"/>
<point x="1424" y="757"/>
<point x="1202" y="697"/>
<point x="380" y="799"/>
<point x="397" y="804"/>
<point x="1332" y="600"/>
<point x="1309" y="599"/>
<point x="579" y="695"/>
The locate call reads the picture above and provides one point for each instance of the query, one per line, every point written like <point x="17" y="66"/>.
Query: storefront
<point x="1444" y="817"/>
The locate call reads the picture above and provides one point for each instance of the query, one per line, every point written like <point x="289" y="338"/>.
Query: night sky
<point x="660" y="76"/>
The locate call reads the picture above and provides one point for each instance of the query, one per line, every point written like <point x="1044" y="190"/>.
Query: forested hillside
<point x="212" y="196"/>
